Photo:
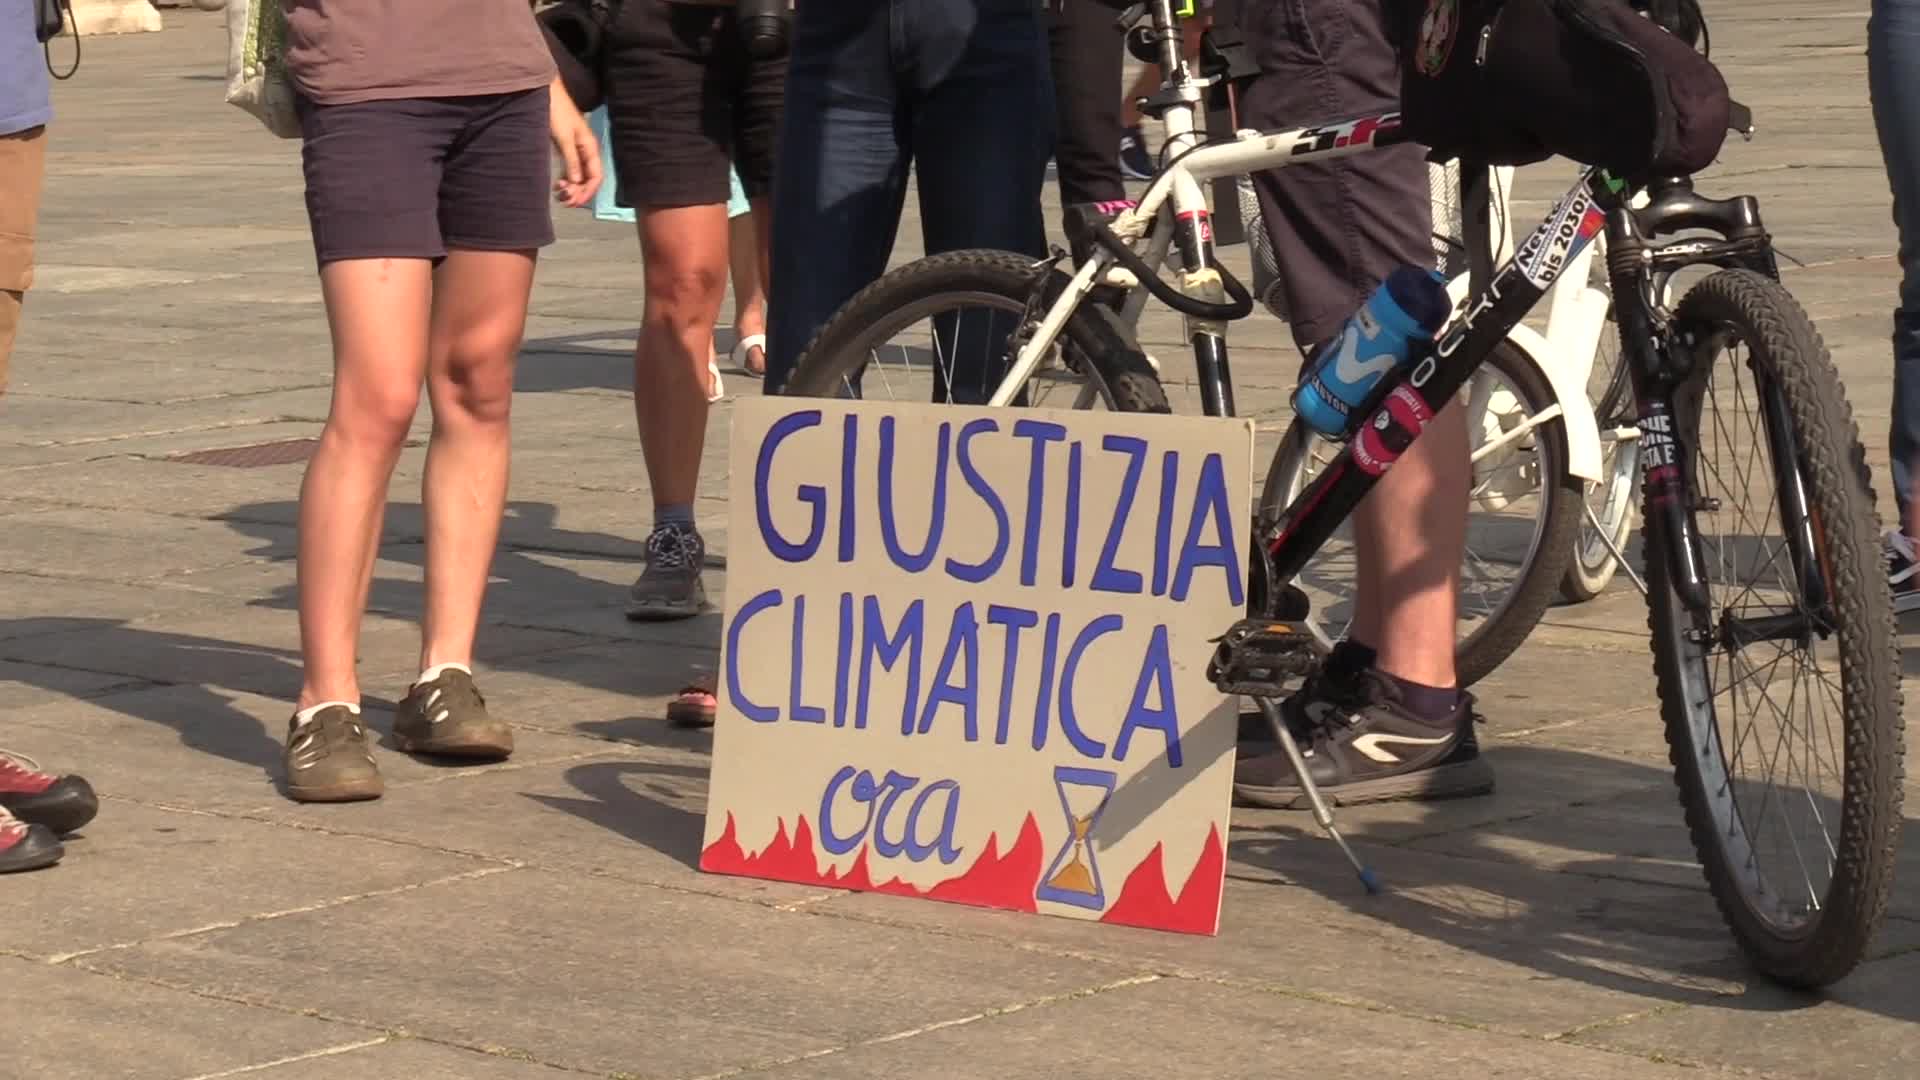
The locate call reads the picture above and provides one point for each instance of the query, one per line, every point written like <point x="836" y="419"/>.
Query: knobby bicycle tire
<point x="1489" y="645"/>
<point x="1102" y="347"/>
<point x="1780" y="338"/>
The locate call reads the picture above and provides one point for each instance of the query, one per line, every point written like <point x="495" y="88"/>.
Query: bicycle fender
<point x="1576" y="412"/>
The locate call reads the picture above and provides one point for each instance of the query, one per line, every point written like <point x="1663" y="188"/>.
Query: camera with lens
<point x="765" y="25"/>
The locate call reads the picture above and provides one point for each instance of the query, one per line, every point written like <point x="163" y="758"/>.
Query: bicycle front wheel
<point x="1781" y="694"/>
<point x="946" y="328"/>
<point x="1524" y="510"/>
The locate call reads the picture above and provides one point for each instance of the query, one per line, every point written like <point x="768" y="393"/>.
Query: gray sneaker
<point x="447" y="716"/>
<point x="328" y="759"/>
<point x="671" y="586"/>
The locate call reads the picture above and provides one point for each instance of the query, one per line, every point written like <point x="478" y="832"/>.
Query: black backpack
<point x="1509" y="82"/>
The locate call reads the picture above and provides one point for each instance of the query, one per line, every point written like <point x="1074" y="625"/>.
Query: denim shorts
<point x="411" y="178"/>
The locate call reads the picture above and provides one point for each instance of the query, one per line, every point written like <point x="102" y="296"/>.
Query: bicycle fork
<point x="1669" y="459"/>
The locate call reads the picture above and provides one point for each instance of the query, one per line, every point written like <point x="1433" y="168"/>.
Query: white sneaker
<point x="1903" y="571"/>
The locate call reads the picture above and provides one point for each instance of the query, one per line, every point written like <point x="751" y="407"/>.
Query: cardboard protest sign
<point x="965" y="655"/>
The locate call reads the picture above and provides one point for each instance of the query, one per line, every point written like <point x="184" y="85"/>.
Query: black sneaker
<point x="1135" y="162"/>
<point x="1333" y="690"/>
<point x="26" y="847"/>
<point x="671" y="587"/>
<point x="1373" y="752"/>
<point x="1903" y="572"/>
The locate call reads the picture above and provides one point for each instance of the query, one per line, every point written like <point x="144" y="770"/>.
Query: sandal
<point x="745" y="346"/>
<point x="716" y="391"/>
<point x="694" y="706"/>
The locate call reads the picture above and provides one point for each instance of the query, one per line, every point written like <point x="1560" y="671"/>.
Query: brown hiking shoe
<point x="447" y="716"/>
<point x="328" y="759"/>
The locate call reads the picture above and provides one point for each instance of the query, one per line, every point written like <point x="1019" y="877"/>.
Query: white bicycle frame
<point x="1564" y="356"/>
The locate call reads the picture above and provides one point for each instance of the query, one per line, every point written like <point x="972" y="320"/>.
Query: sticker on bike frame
<point x="1549" y="249"/>
<point x="1659" y="462"/>
<point x="1437" y="31"/>
<point x="1366" y="131"/>
<point x="1399" y="421"/>
<point x="1200" y="219"/>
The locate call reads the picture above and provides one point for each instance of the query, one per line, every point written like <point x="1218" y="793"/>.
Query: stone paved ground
<point x="541" y="917"/>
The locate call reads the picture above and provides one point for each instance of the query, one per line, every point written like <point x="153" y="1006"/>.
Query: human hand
<point x="579" y="151"/>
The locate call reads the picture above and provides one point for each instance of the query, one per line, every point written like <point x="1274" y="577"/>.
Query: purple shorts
<point x="412" y="178"/>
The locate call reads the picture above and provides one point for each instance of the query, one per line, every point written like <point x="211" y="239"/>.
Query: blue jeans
<point x="956" y="89"/>
<point x="1893" y="76"/>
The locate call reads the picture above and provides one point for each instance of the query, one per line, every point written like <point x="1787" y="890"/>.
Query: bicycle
<point x="1537" y="440"/>
<point x="1822" y="606"/>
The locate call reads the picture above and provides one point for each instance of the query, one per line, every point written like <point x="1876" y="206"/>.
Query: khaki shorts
<point x="23" y="164"/>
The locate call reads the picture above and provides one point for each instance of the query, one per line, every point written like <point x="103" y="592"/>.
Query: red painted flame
<point x="1144" y="900"/>
<point x="993" y="880"/>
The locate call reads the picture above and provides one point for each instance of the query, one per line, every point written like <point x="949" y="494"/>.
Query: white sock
<point x="307" y="714"/>
<point x="438" y="670"/>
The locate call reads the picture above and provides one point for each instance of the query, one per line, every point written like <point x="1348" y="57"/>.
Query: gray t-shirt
<point x="25" y="98"/>
<point x="343" y="51"/>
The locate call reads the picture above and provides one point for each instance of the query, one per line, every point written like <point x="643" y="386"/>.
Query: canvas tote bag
<point x="256" y="65"/>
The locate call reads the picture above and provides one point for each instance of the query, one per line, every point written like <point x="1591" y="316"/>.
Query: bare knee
<point x="684" y="298"/>
<point x="374" y="415"/>
<point x="474" y="381"/>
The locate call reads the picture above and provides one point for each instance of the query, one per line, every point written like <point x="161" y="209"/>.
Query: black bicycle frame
<point x="1408" y="398"/>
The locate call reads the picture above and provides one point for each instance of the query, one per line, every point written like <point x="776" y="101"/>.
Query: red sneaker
<point x="61" y="803"/>
<point x="26" y="847"/>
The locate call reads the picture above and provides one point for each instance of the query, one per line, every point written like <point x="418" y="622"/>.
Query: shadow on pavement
<point x="1655" y="938"/>
<point x="646" y="814"/>
<point x="187" y="675"/>
<point x="588" y="361"/>
<point x="1571" y="919"/>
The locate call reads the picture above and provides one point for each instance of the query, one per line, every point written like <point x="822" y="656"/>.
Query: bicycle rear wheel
<point x="945" y="328"/>
<point x="1524" y="511"/>
<point x="1795" y="811"/>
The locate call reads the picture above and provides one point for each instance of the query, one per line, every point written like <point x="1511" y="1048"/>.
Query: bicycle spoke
<point x="1772" y="698"/>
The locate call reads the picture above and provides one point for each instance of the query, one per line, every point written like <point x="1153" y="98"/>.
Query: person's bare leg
<point x="1409" y="537"/>
<point x="378" y="311"/>
<point x="11" y="301"/>
<point x="479" y="315"/>
<point x="685" y="250"/>
<point x="746" y="259"/>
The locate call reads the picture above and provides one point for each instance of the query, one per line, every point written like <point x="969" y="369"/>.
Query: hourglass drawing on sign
<point x="1074" y="876"/>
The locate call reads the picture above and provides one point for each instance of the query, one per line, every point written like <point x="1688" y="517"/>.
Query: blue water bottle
<point x="1407" y="309"/>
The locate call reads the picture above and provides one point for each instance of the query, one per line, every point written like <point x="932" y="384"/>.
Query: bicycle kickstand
<point x="1255" y="658"/>
<point x="1322" y="813"/>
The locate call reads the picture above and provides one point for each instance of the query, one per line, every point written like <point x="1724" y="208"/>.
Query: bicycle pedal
<point x="1261" y="657"/>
